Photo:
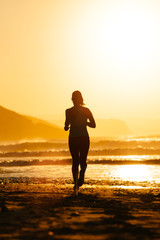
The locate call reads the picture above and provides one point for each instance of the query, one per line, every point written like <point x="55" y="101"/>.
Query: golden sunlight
<point x="124" y="35"/>
<point x="109" y="50"/>
<point x="132" y="36"/>
<point x="114" y="49"/>
<point x="134" y="173"/>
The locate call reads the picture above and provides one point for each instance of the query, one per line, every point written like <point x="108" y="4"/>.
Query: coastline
<point x="41" y="210"/>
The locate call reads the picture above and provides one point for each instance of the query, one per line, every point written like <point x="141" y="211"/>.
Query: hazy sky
<point x="108" y="49"/>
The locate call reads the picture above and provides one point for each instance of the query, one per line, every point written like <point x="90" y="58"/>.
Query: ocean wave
<point x="33" y="162"/>
<point x="92" y="152"/>
<point x="112" y="144"/>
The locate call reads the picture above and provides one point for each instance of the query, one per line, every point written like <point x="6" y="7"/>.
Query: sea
<point x="119" y="162"/>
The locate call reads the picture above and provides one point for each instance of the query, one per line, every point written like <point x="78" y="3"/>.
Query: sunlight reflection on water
<point x="112" y="175"/>
<point x="134" y="173"/>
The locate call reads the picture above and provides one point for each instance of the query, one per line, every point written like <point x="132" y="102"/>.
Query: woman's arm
<point x="91" y="122"/>
<point x="67" y="122"/>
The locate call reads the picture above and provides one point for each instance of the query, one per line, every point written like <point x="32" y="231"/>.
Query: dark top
<point x="77" y="118"/>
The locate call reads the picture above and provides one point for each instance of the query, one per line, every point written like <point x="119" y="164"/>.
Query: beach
<point x="37" y="209"/>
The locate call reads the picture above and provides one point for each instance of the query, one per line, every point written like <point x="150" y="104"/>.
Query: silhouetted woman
<point x="78" y="118"/>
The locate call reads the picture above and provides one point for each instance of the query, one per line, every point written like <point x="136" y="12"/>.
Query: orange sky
<point x="109" y="50"/>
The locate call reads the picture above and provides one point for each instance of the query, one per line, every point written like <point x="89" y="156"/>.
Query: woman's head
<point x="77" y="98"/>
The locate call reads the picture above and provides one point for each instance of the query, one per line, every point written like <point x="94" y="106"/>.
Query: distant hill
<point x="14" y="126"/>
<point x="106" y="128"/>
<point x="144" y="126"/>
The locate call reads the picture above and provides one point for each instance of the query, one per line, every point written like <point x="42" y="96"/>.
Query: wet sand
<point x="42" y="210"/>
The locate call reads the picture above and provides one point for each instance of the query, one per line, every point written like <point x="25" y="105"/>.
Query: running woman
<point x="78" y="118"/>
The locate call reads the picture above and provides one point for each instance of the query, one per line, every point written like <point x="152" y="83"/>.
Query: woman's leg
<point x="73" y="146"/>
<point x="84" y="147"/>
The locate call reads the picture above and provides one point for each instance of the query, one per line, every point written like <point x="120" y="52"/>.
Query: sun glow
<point x="124" y="34"/>
<point x="109" y="50"/>
<point x="132" y="37"/>
<point x="116" y="48"/>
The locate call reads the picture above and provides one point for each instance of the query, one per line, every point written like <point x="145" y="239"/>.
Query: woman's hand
<point x="66" y="128"/>
<point x="91" y="124"/>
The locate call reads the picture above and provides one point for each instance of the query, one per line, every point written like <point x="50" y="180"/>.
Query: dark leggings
<point x="79" y="147"/>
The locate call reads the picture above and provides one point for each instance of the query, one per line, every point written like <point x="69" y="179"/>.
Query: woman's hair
<point x="77" y="98"/>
